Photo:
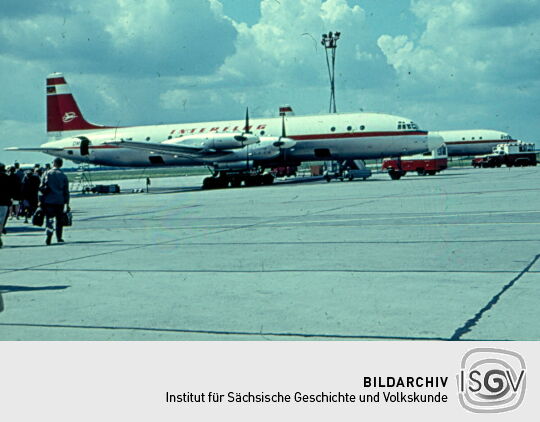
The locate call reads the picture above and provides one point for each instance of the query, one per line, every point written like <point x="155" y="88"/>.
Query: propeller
<point x="246" y="127"/>
<point x="242" y="138"/>
<point x="283" y="140"/>
<point x="284" y="143"/>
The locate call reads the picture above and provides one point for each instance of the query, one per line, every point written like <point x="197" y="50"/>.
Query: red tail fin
<point x="62" y="111"/>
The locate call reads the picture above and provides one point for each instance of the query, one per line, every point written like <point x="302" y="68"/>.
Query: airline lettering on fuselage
<point x="216" y="129"/>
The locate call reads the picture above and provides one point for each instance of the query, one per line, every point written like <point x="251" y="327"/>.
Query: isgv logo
<point x="491" y="380"/>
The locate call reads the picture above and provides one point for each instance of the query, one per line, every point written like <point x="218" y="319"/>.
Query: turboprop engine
<point x="216" y="141"/>
<point x="268" y="148"/>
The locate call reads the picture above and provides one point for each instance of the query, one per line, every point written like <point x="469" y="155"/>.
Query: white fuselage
<point x="318" y="137"/>
<point x="472" y="142"/>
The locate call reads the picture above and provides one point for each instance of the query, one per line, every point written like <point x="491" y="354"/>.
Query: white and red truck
<point x="423" y="164"/>
<point x="515" y="154"/>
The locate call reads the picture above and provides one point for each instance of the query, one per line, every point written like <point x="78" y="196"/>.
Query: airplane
<point x="237" y="151"/>
<point x="472" y="142"/>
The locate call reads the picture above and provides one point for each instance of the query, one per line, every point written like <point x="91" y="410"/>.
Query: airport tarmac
<point x="446" y="257"/>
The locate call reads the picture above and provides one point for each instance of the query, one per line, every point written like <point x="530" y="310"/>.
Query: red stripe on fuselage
<point x="498" y="141"/>
<point x="354" y="135"/>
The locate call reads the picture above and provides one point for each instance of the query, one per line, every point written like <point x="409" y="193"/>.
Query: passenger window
<point x="349" y="128"/>
<point x="262" y="132"/>
<point x="333" y="129"/>
<point x="362" y="127"/>
<point x="148" y="138"/>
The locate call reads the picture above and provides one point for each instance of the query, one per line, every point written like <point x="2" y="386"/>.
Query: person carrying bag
<point x="54" y="197"/>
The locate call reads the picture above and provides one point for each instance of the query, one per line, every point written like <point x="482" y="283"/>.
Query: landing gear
<point x="267" y="179"/>
<point x="215" y="182"/>
<point x="396" y="174"/>
<point x="224" y="180"/>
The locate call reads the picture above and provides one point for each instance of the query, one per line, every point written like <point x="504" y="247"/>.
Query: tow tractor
<point x="515" y="154"/>
<point x="428" y="163"/>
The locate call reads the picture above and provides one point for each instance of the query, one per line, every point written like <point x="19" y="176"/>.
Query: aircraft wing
<point x="171" y="149"/>
<point x="38" y="149"/>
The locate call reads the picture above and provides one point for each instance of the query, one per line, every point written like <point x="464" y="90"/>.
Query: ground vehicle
<point x="427" y="163"/>
<point x="518" y="154"/>
<point x="348" y="169"/>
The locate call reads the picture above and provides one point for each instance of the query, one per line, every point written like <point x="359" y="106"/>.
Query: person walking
<point x="7" y="191"/>
<point x="54" y="190"/>
<point x="16" y="193"/>
<point x="29" y="193"/>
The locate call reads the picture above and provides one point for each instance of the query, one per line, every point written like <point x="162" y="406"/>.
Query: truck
<point x="423" y="164"/>
<point x="345" y="170"/>
<point x="515" y="154"/>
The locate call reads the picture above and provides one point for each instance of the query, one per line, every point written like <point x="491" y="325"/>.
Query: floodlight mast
<point x="329" y="41"/>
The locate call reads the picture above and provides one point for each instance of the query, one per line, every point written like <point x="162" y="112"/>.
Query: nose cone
<point x="434" y="141"/>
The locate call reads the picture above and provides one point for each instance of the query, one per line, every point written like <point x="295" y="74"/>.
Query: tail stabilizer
<point x="63" y="114"/>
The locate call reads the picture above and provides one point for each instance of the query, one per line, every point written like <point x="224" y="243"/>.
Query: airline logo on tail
<point x="69" y="116"/>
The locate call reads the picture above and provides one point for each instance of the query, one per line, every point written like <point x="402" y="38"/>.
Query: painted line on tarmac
<point x="222" y="332"/>
<point x="234" y="226"/>
<point x="259" y="271"/>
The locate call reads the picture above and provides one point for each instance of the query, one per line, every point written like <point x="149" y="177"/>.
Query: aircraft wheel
<point x="267" y="179"/>
<point x="209" y="183"/>
<point x="236" y="182"/>
<point x="432" y="172"/>
<point x="252" y="181"/>
<point x="421" y="172"/>
<point x="395" y="174"/>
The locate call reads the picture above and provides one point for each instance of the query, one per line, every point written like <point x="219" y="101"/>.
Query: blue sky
<point x="447" y="64"/>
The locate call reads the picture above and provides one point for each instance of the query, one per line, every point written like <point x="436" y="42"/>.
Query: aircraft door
<point x="84" y="148"/>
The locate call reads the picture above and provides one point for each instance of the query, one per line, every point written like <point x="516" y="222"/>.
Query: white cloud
<point x="285" y="43"/>
<point x="459" y="41"/>
<point x="124" y="36"/>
